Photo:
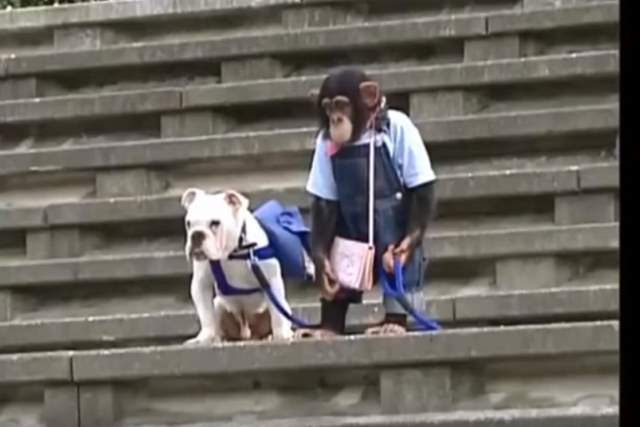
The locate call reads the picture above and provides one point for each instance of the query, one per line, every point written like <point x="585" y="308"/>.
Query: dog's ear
<point x="236" y="200"/>
<point x="189" y="196"/>
<point x="313" y="96"/>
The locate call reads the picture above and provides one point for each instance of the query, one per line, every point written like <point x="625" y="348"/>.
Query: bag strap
<point x="372" y="157"/>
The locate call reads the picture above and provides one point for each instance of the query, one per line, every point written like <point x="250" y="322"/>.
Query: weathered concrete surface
<point x="406" y="391"/>
<point x="310" y="40"/>
<point x="423" y="77"/>
<point x="347" y="37"/>
<point x="180" y="150"/>
<point x="450" y="187"/>
<point x="557" y="417"/>
<point x="193" y="123"/>
<point x="531" y="304"/>
<point x="131" y="10"/>
<point x="595" y="176"/>
<point x="61" y="406"/>
<point x="532" y="241"/>
<point x="101" y="269"/>
<point x="349" y="352"/>
<point x="554" y="304"/>
<point x="21" y="217"/>
<point x="40" y="367"/>
<point x="26" y="87"/>
<point x="5" y="306"/>
<point x="585" y="208"/>
<point x="98" y="405"/>
<point x="441" y="76"/>
<point x="520" y="124"/>
<point x="129" y="182"/>
<point x="297" y="18"/>
<point x="441" y="104"/>
<point x="492" y="48"/>
<point x="71" y="38"/>
<point x="236" y="70"/>
<point x="528" y="273"/>
<point x="607" y="12"/>
<point x="54" y="243"/>
<point x="542" y="4"/>
<point x="57" y="108"/>
<point x="457" y="246"/>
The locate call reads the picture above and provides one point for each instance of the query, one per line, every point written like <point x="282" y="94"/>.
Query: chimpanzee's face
<point x="346" y="101"/>
<point x="339" y="111"/>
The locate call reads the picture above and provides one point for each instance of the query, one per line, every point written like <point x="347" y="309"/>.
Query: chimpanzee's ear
<point x="313" y="96"/>
<point x="370" y="92"/>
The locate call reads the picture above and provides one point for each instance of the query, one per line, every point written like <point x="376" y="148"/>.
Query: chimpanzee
<point x="351" y="111"/>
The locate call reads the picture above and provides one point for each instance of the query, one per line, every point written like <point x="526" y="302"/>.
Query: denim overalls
<point x="350" y="169"/>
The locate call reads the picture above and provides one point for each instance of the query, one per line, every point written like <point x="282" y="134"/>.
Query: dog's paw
<point x="203" y="339"/>
<point x="284" y="334"/>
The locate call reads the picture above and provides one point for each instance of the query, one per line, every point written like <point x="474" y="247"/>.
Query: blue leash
<point x="399" y="294"/>
<point x="266" y="287"/>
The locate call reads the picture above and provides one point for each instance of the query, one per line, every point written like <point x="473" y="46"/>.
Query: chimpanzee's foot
<point x="314" y="333"/>
<point x="388" y="329"/>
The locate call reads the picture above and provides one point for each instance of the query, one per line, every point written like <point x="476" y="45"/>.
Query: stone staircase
<point x="108" y="111"/>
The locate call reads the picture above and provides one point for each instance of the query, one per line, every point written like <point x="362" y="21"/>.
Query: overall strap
<point x="372" y="170"/>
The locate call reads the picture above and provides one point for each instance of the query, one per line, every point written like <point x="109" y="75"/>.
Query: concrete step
<point x="457" y="247"/>
<point x="148" y="12"/>
<point x="344" y="37"/>
<point x="140" y="12"/>
<point x="178" y="151"/>
<point x="507" y="307"/>
<point x="515" y="367"/>
<point x="556" y="417"/>
<point x="451" y="188"/>
<point x="542" y="69"/>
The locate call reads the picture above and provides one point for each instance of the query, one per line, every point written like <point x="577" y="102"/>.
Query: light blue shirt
<point x="408" y="153"/>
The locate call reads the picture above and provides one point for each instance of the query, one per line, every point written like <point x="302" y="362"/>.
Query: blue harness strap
<point x="244" y="251"/>
<point x="397" y="291"/>
<point x="227" y="288"/>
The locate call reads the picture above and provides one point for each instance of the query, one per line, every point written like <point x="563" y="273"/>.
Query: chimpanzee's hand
<point x="402" y="252"/>
<point x="325" y="279"/>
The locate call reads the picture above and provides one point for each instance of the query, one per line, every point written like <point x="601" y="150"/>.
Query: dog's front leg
<point x="209" y="317"/>
<point x="280" y="325"/>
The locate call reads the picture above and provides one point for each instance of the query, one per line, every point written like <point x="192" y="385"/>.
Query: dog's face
<point x="213" y="223"/>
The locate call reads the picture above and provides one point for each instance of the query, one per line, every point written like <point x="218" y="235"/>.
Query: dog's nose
<point x="197" y="237"/>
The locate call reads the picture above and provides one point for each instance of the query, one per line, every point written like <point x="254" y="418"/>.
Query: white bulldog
<point x="214" y="224"/>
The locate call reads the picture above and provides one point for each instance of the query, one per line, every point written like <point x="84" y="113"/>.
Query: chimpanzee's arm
<point x="422" y="203"/>
<point x="324" y="214"/>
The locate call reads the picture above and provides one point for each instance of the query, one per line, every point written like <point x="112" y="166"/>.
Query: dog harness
<point x="248" y="251"/>
<point x="242" y="252"/>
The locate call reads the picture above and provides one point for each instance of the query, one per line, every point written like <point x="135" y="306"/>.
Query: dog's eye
<point x="214" y="223"/>
<point x="188" y="224"/>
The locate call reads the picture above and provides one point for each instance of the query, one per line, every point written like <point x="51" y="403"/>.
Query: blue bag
<point x="288" y="236"/>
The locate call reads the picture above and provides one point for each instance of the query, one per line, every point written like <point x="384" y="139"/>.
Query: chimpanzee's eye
<point x="214" y="223"/>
